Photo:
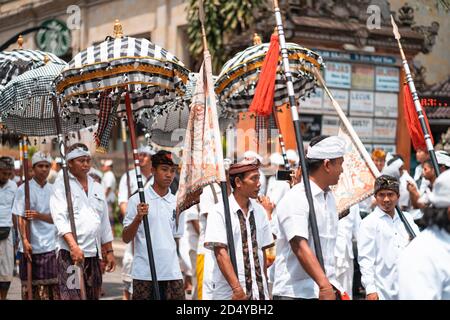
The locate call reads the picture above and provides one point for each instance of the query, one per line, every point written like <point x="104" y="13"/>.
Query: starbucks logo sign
<point x="57" y="39"/>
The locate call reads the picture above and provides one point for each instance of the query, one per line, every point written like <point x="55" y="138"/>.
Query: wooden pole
<point x="137" y="167"/>
<point x="26" y="221"/>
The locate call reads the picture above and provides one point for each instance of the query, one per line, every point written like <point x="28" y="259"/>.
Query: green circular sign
<point x="56" y="40"/>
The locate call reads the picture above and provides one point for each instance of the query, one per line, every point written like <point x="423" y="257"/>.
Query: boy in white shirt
<point x="40" y="247"/>
<point x="160" y="210"/>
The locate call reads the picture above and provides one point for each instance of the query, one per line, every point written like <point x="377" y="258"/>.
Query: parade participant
<point x="298" y="274"/>
<point x="40" y="248"/>
<point x="212" y="194"/>
<point x="276" y="189"/>
<point x="160" y="210"/>
<point x="145" y="161"/>
<point x="55" y="170"/>
<point x="251" y="235"/>
<point x="382" y="237"/>
<point x="348" y="228"/>
<point x="423" y="267"/>
<point x="8" y="190"/>
<point x="420" y="199"/>
<point x="421" y="156"/>
<point x="379" y="158"/>
<point x="145" y="154"/>
<point x="250" y="156"/>
<point x="94" y="236"/>
<point x="188" y="248"/>
<point x="292" y="157"/>
<point x="109" y="185"/>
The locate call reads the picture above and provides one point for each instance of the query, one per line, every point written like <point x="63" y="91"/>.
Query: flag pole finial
<point x="118" y="31"/>
<point x="20" y="41"/>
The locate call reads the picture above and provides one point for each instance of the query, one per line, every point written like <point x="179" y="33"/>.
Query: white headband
<point x="40" y="157"/>
<point x="147" y="150"/>
<point x="329" y="148"/>
<point x="76" y="153"/>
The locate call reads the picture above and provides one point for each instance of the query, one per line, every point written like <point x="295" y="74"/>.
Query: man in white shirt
<point x="109" y="185"/>
<point x="382" y="237"/>
<point x="188" y="248"/>
<point x="423" y="267"/>
<point x="276" y="189"/>
<point x="298" y="274"/>
<point x="211" y="195"/>
<point x="348" y="228"/>
<point x="251" y="236"/>
<point x="93" y="231"/>
<point x="145" y="161"/>
<point x="7" y="192"/>
<point x="160" y="210"/>
<point x="40" y="247"/>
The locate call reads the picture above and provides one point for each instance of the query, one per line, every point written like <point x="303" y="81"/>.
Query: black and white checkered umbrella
<point x="26" y="106"/>
<point x="153" y="75"/>
<point x="14" y="63"/>
<point x="235" y="86"/>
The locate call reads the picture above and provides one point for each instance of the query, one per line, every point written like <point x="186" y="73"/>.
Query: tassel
<point x="265" y="90"/>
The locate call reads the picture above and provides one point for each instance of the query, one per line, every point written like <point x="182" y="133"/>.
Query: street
<point x="112" y="282"/>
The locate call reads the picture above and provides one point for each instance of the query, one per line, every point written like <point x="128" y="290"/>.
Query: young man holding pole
<point x="93" y="230"/>
<point x="298" y="273"/>
<point x="382" y="237"/>
<point x="39" y="246"/>
<point x="251" y="235"/>
<point x="160" y="210"/>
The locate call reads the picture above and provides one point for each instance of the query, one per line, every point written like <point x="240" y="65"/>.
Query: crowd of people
<point x="368" y="250"/>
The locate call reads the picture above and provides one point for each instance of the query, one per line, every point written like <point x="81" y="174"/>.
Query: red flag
<point x="412" y="120"/>
<point x="265" y="90"/>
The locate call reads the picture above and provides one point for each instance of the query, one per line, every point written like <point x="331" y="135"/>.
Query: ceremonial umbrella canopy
<point x="14" y="63"/>
<point x="26" y="103"/>
<point x="123" y="75"/>
<point x="237" y="80"/>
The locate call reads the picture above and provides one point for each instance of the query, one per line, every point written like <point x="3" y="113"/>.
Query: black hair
<point x="436" y="217"/>
<point x="233" y="178"/>
<point x="314" y="164"/>
<point x="6" y="163"/>
<point x="162" y="157"/>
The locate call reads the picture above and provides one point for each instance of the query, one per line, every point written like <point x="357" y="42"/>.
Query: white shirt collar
<point x="169" y="197"/>
<point x="384" y="215"/>
<point x="235" y="207"/>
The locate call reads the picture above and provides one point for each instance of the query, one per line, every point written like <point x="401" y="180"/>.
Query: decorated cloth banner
<point x="200" y="161"/>
<point x="356" y="182"/>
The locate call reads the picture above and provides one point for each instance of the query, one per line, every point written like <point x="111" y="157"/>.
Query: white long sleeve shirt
<point x="424" y="267"/>
<point x="90" y="212"/>
<point x="348" y="229"/>
<point x="381" y="239"/>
